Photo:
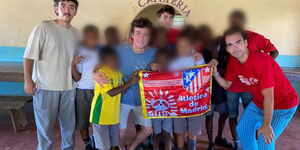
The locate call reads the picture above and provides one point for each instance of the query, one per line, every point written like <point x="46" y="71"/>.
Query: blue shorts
<point x="233" y="101"/>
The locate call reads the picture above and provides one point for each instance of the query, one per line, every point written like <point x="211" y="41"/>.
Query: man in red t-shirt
<point x="256" y="42"/>
<point x="274" y="99"/>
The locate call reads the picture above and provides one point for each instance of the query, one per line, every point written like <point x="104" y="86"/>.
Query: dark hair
<point x="234" y="30"/>
<point x="106" y="51"/>
<point x="166" y="9"/>
<point x="189" y="32"/>
<point x="237" y="14"/>
<point x="157" y="31"/>
<point x="111" y="30"/>
<point x="140" y="23"/>
<point x="74" y="1"/>
<point x="90" y="28"/>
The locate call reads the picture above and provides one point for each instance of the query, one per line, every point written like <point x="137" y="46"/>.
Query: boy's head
<point x="165" y="16"/>
<point x="140" y="30"/>
<point x="90" y="36"/>
<point x="65" y="9"/>
<point x="236" y="42"/>
<point x="160" y="37"/>
<point x="237" y="19"/>
<point x="184" y="45"/>
<point x="112" y="36"/>
<point x="163" y="58"/>
<point x="109" y="57"/>
<point x="205" y="34"/>
<point x="191" y="32"/>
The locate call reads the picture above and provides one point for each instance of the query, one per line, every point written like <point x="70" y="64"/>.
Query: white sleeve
<point x="79" y="66"/>
<point x="200" y="62"/>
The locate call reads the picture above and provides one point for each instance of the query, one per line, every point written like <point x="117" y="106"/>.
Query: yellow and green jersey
<point x="105" y="110"/>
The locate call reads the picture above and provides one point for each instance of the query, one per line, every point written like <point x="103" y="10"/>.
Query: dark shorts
<point x="220" y="108"/>
<point x="83" y="106"/>
<point x="233" y="101"/>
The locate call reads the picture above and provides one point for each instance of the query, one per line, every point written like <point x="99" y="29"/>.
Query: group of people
<point x="83" y="83"/>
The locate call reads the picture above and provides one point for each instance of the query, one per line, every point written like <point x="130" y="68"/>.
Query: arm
<point x="266" y="129"/>
<point x="76" y="75"/>
<point x="222" y="82"/>
<point x="123" y="88"/>
<point x="266" y="45"/>
<point x="99" y="77"/>
<point x="274" y="54"/>
<point x="29" y="85"/>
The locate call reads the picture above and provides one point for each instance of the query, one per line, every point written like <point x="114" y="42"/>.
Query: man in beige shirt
<point x="47" y="74"/>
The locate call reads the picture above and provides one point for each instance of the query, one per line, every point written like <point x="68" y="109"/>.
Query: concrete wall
<point x="279" y="20"/>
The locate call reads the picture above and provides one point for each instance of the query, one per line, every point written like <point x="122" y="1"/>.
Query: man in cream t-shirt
<point x="47" y="74"/>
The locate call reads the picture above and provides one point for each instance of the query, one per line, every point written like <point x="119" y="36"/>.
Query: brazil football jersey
<point x="105" y="110"/>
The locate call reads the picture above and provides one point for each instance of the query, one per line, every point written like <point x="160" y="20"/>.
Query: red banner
<point x="176" y="94"/>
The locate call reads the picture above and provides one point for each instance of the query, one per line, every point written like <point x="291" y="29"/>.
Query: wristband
<point x="216" y="74"/>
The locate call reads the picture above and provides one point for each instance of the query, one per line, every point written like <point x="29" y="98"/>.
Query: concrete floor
<point x="26" y="139"/>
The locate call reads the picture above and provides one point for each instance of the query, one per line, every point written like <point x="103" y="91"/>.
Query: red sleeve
<point x="265" y="73"/>
<point x="263" y="43"/>
<point x="231" y="71"/>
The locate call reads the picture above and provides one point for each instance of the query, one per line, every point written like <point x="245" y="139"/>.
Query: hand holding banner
<point x="176" y="94"/>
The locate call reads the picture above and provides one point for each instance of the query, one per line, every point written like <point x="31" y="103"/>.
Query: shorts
<point x="83" y="107"/>
<point x="106" y="136"/>
<point x="191" y="124"/>
<point x="233" y="101"/>
<point x="220" y="108"/>
<point x="162" y="124"/>
<point x="139" y="118"/>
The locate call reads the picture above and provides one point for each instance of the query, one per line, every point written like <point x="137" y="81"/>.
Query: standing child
<point x="112" y="36"/>
<point x="82" y="68"/>
<point x="105" y="111"/>
<point x="162" y="126"/>
<point x="191" y="125"/>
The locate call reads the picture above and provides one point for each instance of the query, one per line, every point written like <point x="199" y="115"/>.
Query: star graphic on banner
<point x="187" y="78"/>
<point x="191" y="74"/>
<point x="207" y="69"/>
<point x="146" y="75"/>
<point x="207" y="89"/>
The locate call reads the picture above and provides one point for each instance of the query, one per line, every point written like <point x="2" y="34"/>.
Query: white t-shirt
<point x="184" y="63"/>
<point x="52" y="48"/>
<point x="86" y="66"/>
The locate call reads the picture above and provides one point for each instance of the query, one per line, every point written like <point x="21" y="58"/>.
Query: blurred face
<point x="161" y="40"/>
<point x="236" y="46"/>
<point x="91" y="39"/>
<point x="111" y="61"/>
<point x="237" y="22"/>
<point x="205" y="36"/>
<point x="165" y="20"/>
<point x="184" y="47"/>
<point x="163" y="60"/>
<point x="112" y="38"/>
<point x="141" y="37"/>
<point x="65" y="10"/>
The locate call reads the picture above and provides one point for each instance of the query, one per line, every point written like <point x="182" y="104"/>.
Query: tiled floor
<point x="26" y="139"/>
